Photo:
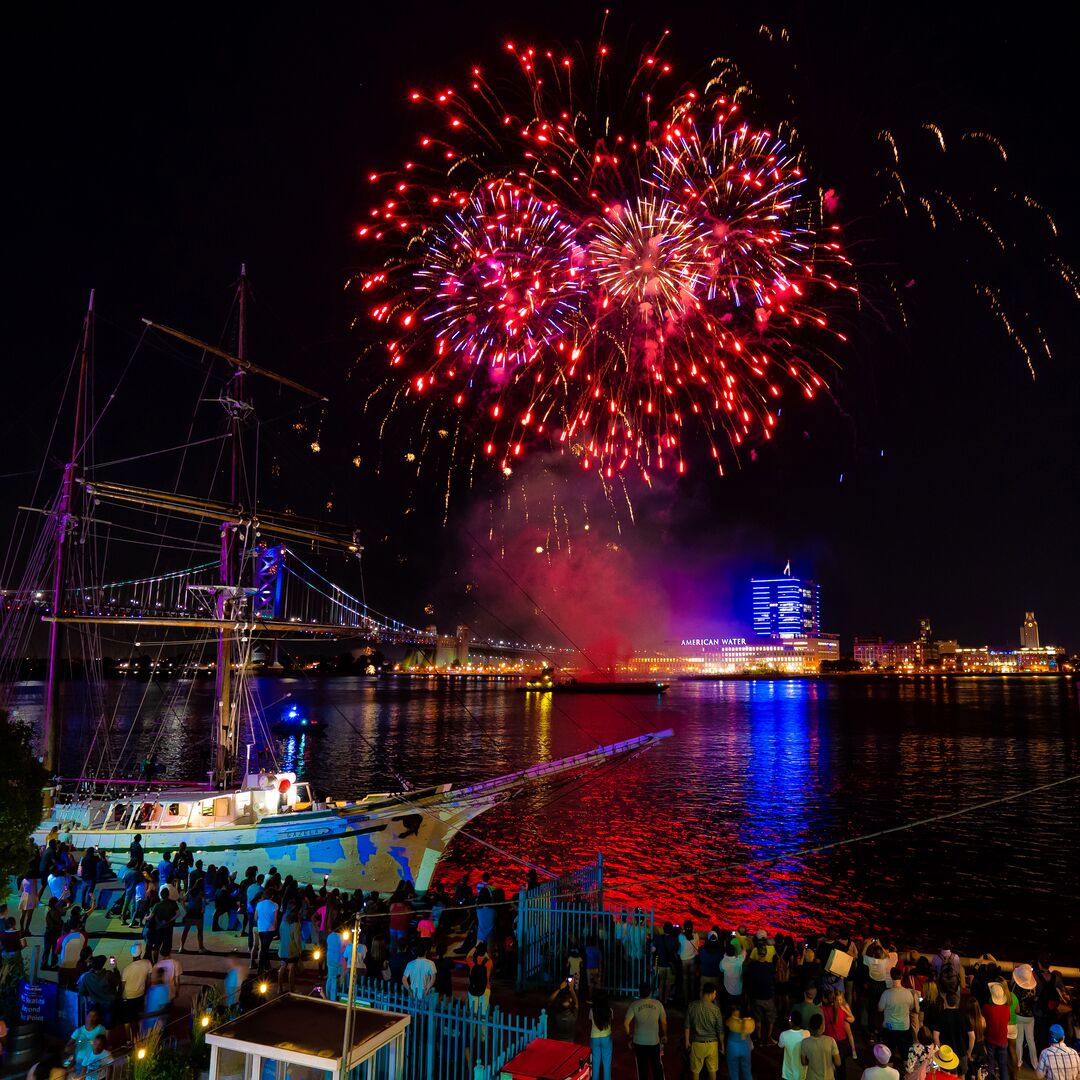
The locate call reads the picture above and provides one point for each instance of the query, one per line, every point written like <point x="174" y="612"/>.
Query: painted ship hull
<point x="371" y="844"/>
<point x="354" y="849"/>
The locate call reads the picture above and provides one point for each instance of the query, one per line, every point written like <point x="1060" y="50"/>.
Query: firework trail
<point x="600" y="266"/>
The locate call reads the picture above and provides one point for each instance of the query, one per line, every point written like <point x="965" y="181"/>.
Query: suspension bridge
<point x="285" y="595"/>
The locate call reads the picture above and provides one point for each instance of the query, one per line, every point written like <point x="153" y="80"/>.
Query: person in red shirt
<point x="400" y="921"/>
<point x="996" y="1014"/>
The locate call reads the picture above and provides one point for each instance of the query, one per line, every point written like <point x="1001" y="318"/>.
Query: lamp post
<point x="346" y="1045"/>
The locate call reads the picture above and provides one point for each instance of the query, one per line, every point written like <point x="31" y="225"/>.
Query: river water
<point x="717" y="822"/>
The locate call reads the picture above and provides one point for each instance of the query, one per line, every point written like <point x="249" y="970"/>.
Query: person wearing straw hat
<point x="946" y="1060"/>
<point x="882" y="1070"/>
<point x="997" y="1014"/>
<point x="1024" y="985"/>
<point x="1058" y="1061"/>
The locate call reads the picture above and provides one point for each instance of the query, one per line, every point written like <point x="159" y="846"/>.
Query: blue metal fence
<point x="448" y="1040"/>
<point x="569" y="911"/>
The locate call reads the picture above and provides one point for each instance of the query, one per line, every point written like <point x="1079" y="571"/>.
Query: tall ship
<point x="248" y="810"/>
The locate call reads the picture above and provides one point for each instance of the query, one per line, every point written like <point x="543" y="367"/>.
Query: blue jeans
<point x="738" y="1061"/>
<point x="999" y="1059"/>
<point x="601" y="1057"/>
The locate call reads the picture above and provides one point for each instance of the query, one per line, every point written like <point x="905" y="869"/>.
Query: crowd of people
<point x="820" y="1000"/>
<point x="817" y="999"/>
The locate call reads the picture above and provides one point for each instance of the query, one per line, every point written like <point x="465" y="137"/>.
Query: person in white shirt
<point x="266" y="913"/>
<point x="96" y="1063"/>
<point x="882" y="1070"/>
<point x="172" y="970"/>
<point x="419" y="976"/>
<point x="731" y="964"/>
<point x="1058" y="1061"/>
<point x="790" y="1043"/>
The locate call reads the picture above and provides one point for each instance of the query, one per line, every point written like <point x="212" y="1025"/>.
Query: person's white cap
<point x="136" y="950"/>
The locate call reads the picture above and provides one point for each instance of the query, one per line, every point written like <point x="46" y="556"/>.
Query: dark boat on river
<point x="547" y="685"/>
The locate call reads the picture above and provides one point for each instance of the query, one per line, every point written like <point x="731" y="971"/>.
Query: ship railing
<point x="576" y="761"/>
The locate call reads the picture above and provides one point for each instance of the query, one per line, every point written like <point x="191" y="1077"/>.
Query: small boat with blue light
<point x="293" y="722"/>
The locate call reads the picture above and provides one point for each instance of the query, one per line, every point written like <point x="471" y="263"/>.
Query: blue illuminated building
<point x="786" y="606"/>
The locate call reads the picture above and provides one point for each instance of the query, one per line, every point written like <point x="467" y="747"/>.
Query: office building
<point x="786" y="606"/>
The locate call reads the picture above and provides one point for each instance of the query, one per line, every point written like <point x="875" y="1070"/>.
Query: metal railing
<point x="569" y="913"/>
<point x="448" y="1039"/>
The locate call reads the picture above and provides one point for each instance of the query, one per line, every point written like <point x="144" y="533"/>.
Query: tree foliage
<point x="21" y="779"/>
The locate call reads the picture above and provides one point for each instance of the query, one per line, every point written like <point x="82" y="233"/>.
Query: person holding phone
<point x="562" y="1012"/>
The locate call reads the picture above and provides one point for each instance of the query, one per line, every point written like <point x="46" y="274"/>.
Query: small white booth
<point x="301" y="1038"/>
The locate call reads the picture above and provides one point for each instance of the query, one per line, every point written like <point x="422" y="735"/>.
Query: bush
<point x="22" y="778"/>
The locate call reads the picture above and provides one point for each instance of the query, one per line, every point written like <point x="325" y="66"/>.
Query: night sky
<point x="148" y="154"/>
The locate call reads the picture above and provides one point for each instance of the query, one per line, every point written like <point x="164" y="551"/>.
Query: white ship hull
<point x="351" y="848"/>
<point x="372" y="844"/>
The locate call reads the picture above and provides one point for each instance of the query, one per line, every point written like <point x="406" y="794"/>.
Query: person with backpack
<point x="1051" y="999"/>
<point x="948" y="970"/>
<point x="480" y="972"/>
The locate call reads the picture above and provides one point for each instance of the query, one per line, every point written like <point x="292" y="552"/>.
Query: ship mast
<point x="65" y="522"/>
<point x="229" y="593"/>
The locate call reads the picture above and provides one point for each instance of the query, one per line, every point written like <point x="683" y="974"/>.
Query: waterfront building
<point x="785" y="606"/>
<point x="1029" y="632"/>
<point x="884" y="655"/>
<point x="796" y="654"/>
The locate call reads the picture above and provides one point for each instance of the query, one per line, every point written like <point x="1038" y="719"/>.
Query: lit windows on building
<point x="785" y="605"/>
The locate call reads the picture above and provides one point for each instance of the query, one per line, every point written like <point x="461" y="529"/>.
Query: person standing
<point x="1024" y="987"/>
<point x="882" y="1070"/>
<point x="759" y="978"/>
<point x="562" y="1012"/>
<point x="289" y="947"/>
<point x="920" y="1055"/>
<point x="704" y="1033"/>
<point x="161" y="920"/>
<point x="266" y="914"/>
<point x="808" y="1008"/>
<point x="600" y="1017"/>
<point x="997" y="1013"/>
<point x="953" y="1029"/>
<point x="791" y="1040"/>
<point x="666" y="956"/>
<point x="182" y="864"/>
<point x="194" y="916"/>
<point x="29" y="896"/>
<point x="732" y="967"/>
<point x="688" y="954"/>
<point x="54" y="928"/>
<point x="419" y="977"/>
<point x="898" y="1006"/>
<point x="333" y="964"/>
<point x="946" y="1061"/>
<point x="481" y="970"/>
<point x="593" y="962"/>
<point x="819" y="1052"/>
<point x="838" y="1020"/>
<point x="133" y="980"/>
<point x="739" y="1046"/>
<point x="1051" y="997"/>
<point x="645" y="1024"/>
<point x="1058" y="1061"/>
